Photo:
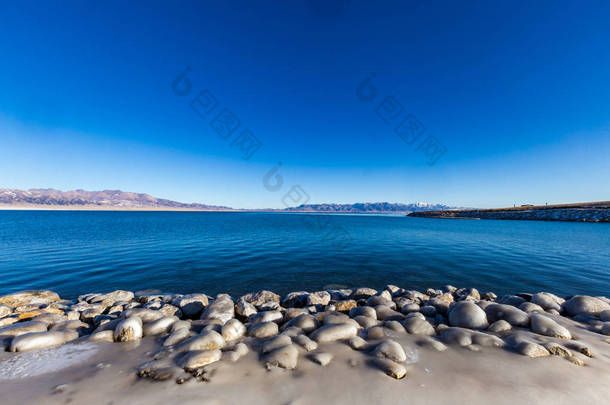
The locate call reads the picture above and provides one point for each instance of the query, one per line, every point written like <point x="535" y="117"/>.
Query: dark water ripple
<point x="77" y="252"/>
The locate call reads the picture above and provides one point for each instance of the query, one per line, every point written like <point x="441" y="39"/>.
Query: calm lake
<point x="77" y="252"/>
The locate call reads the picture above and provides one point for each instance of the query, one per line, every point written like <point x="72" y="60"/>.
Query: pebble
<point x="345" y="305"/>
<point x="260" y="298"/>
<point x="275" y="342"/>
<point x="266" y="316"/>
<point x="529" y="307"/>
<point x="206" y="340"/>
<point x="509" y="313"/>
<point x="374" y="333"/>
<point x="244" y="308"/>
<point x="467" y="314"/>
<point x="357" y="343"/>
<point x="391" y="350"/>
<point x="543" y="325"/>
<point x="580" y="304"/>
<point x="318" y="298"/>
<point x="20" y="328"/>
<point x="499" y="326"/>
<point x="145" y="314"/>
<point x="364" y="311"/>
<point x="385" y="313"/>
<point x="391" y="368"/>
<point x="128" y="330"/>
<point x="604" y="316"/>
<point x="418" y="326"/>
<point x="366" y="322"/>
<point x="199" y="358"/>
<point x="605" y="329"/>
<point x="102" y="336"/>
<point x="459" y="336"/>
<point x="284" y="357"/>
<point x="40" y="340"/>
<point x="263" y="330"/>
<point x="161" y="325"/>
<point x="322" y="359"/>
<point x="484" y="339"/>
<point x="233" y="330"/>
<point x="177" y="336"/>
<point x="531" y="349"/>
<point x="332" y="333"/>
<point x="238" y="352"/>
<point x="305" y="342"/>
<point x="394" y="326"/>
<point x="306" y="322"/>
<point x="580" y="347"/>
<point x="363" y="293"/>
<point x="547" y="301"/>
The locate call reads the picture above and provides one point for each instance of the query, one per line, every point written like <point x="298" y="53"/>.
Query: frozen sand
<point x="457" y="375"/>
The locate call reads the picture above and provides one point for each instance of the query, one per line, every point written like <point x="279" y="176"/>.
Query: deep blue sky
<point x="517" y="92"/>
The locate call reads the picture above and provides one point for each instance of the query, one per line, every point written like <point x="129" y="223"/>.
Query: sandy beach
<point x="346" y="346"/>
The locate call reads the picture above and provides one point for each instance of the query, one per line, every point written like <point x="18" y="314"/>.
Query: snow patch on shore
<point x="37" y="362"/>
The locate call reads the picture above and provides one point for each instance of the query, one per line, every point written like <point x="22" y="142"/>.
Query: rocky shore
<point x="190" y="337"/>
<point x="588" y="212"/>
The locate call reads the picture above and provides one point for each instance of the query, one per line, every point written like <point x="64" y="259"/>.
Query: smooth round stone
<point x="199" y="358"/>
<point x="416" y="315"/>
<point x="102" y="336"/>
<point x="531" y="349"/>
<point x="391" y="350"/>
<point x="179" y="325"/>
<point x="394" y="326"/>
<point x="20" y="328"/>
<point x="364" y="311"/>
<point x="239" y="351"/>
<point x="512" y="300"/>
<point x="408" y="308"/>
<point x="177" y="336"/>
<point x="380" y="300"/>
<point x="128" y="330"/>
<point x="366" y="322"/>
<point x="604" y="316"/>
<point x="260" y="298"/>
<point x="530" y="307"/>
<point x="161" y="325"/>
<point x="547" y="301"/>
<point x="543" y="325"/>
<point x="332" y="333"/>
<point x="390" y="367"/>
<point x="579" y="347"/>
<point x="284" y="357"/>
<point x="275" y="342"/>
<point x="266" y="316"/>
<point x="467" y="314"/>
<point x="305" y="322"/>
<point x="580" y="304"/>
<point x="458" y="336"/>
<point x="336" y="318"/>
<point x="69" y="325"/>
<point x="605" y="329"/>
<point x="375" y="333"/>
<point x="428" y="311"/>
<point x="263" y="330"/>
<point x="418" y="326"/>
<point x="41" y="340"/>
<point x="233" y="330"/>
<point x="322" y="359"/>
<point x="206" y="340"/>
<point x="357" y="343"/>
<point x="305" y="342"/>
<point x="145" y="314"/>
<point x="509" y="313"/>
<point x="385" y="313"/>
<point x="499" y="326"/>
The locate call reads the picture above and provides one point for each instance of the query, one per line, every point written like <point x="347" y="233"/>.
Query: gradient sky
<point x="517" y="92"/>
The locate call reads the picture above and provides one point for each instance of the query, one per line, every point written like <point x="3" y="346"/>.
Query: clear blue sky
<point x="517" y="92"/>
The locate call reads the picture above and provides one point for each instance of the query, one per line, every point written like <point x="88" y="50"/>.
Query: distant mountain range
<point x="117" y="199"/>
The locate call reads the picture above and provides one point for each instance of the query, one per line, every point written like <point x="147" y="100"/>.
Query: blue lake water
<point x="77" y="252"/>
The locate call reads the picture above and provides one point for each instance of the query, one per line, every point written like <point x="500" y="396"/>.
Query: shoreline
<point x="374" y="345"/>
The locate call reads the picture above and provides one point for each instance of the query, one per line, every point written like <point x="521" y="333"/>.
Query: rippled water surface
<point x="78" y="252"/>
